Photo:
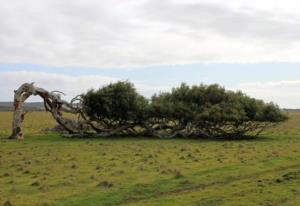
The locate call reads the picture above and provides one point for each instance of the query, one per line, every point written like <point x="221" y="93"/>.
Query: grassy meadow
<point x="48" y="170"/>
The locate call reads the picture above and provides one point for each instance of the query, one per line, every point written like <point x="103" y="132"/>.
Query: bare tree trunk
<point x="19" y="98"/>
<point x="53" y="103"/>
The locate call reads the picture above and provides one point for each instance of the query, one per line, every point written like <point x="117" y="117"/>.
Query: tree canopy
<point x="189" y="111"/>
<point x="117" y="102"/>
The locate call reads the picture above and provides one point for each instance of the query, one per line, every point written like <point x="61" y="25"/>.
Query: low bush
<point x="188" y="111"/>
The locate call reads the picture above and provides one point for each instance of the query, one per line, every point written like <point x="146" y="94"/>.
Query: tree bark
<point x="53" y="104"/>
<point x="19" y="98"/>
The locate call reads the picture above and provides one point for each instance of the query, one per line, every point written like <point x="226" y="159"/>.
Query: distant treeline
<point x="30" y="106"/>
<point x="291" y="110"/>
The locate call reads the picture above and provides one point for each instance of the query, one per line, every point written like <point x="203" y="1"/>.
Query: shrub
<point x="200" y="110"/>
<point x="118" y="103"/>
<point x="213" y="112"/>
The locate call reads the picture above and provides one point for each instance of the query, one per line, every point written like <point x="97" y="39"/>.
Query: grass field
<point x="46" y="169"/>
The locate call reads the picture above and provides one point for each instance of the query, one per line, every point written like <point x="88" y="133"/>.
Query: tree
<point x="114" y="107"/>
<point x="53" y="104"/>
<point x="117" y="109"/>
<point x="211" y="111"/>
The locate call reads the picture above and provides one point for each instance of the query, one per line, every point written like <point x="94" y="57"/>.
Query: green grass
<point x="46" y="169"/>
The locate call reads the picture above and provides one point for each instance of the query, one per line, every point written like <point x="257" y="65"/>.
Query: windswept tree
<point x="115" y="108"/>
<point x="211" y="111"/>
<point x="188" y="111"/>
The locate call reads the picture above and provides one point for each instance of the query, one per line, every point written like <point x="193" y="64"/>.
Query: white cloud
<point x="113" y="33"/>
<point x="284" y="93"/>
<point x="70" y="85"/>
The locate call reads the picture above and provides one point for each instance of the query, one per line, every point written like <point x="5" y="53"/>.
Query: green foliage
<point x="199" y="110"/>
<point x="116" y="102"/>
<point x="213" y="111"/>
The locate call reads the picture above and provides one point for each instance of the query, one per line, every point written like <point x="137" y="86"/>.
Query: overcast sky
<point x="74" y="45"/>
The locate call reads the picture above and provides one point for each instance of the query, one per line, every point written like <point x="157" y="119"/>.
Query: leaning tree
<point x="117" y="109"/>
<point x="211" y="111"/>
<point x="52" y="103"/>
<point x="121" y="108"/>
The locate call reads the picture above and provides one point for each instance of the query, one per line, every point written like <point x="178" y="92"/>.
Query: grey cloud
<point x="72" y="32"/>
<point x="70" y="85"/>
<point x="114" y="33"/>
<point x="204" y="16"/>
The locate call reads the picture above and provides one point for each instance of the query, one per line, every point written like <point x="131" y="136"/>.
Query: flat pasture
<point x="48" y="170"/>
